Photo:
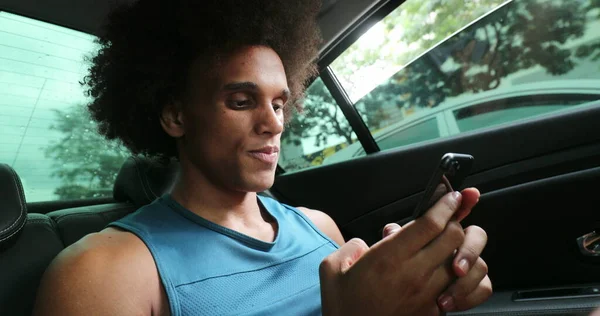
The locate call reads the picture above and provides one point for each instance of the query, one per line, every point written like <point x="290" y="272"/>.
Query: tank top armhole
<point x="165" y="278"/>
<point x="310" y="222"/>
<point x="303" y="216"/>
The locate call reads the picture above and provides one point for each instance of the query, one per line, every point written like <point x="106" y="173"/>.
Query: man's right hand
<point x="403" y="274"/>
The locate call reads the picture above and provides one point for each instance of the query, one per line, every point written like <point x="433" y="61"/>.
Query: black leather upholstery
<point x="74" y="223"/>
<point x="138" y="183"/>
<point x="23" y="264"/>
<point x="35" y="239"/>
<point x="13" y="211"/>
<point x="29" y="243"/>
<point x="142" y="180"/>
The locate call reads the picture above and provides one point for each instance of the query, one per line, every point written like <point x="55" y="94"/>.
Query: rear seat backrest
<point x="14" y="209"/>
<point x="29" y="242"/>
<point x="74" y="223"/>
<point x="139" y="182"/>
<point x="142" y="180"/>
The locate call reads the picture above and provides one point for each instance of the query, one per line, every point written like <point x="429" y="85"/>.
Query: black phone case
<point x="451" y="172"/>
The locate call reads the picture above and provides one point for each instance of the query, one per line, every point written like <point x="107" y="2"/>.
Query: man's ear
<point x="171" y="120"/>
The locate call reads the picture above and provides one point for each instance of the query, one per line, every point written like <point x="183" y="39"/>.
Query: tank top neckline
<point x="258" y="244"/>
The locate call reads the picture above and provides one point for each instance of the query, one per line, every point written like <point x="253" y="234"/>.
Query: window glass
<point x="413" y="134"/>
<point x="315" y="134"/>
<point x="510" y="110"/>
<point x="416" y="133"/>
<point x="430" y="58"/>
<point x="402" y="36"/>
<point x="46" y="134"/>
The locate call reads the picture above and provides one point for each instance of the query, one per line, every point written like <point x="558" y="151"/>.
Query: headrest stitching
<point x="20" y="192"/>
<point x="13" y="233"/>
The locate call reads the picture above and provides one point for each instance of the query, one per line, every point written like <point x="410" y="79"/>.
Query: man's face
<point x="233" y="123"/>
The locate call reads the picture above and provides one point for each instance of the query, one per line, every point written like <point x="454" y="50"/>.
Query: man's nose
<point x="268" y="120"/>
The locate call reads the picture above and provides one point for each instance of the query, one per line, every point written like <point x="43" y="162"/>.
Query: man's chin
<point x="259" y="184"/>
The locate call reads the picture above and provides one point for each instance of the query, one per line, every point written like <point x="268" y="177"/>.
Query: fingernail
<point x="446" y="302"/>
<point x="456" y="195"/>
<point x="464" y="265"/>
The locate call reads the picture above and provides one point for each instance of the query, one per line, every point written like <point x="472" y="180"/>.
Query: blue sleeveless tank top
<point x="208" y="269"/>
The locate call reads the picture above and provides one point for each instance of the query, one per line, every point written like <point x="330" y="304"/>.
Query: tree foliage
<point x="514" y="37"/>
<point x="83" y="160"/>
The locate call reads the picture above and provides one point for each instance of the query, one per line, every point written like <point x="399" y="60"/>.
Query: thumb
<point x="390" y="229"/>
<point x="331" y="273"/>
<point x="341" y="260"/>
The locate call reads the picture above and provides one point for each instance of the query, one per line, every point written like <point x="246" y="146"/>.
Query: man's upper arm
<point x="325" y="223"/>
<point x="89" y="278"/>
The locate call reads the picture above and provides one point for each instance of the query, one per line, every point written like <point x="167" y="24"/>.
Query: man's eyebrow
<point x="249" y="85"/>
<point x="246" y="85"/>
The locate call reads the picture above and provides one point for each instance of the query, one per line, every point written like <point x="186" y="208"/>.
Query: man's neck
<point x="235" y="210"/>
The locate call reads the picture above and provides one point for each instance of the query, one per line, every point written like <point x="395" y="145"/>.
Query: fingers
<point x="332" y="271"/>
<point x="480" y="294"/>
<point x="468" y="290"/>
<point x="341" y="260"/>
<point x="470" y="197"/>
<point x="463" y="287"/>
<point x="470" y="250"/>
<point x="428" y="227"/>
<point x="441" y="248"/>
<point x="441" y="278"/>
<point x="390" y="229"/>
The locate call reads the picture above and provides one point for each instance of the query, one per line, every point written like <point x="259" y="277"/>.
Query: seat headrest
<point x="141" y="180"/>
<point x="13" y="210"/>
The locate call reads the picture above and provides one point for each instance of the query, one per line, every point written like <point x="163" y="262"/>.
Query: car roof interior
<point x="87" y="15"/>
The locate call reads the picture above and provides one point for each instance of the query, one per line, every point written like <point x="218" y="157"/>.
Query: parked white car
<point x="504" y="105"/>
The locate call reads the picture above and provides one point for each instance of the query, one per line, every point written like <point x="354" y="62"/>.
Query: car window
<point x="416" y="133"/>
<point x="315" y="134"/>
<point x="395" y="41"/>
<point x="387" y="47"/>
<point x="413" y="134"/>
<point x="46" y="134"/>
<point x="514" y="109"/>
<point x="491" y="52"/>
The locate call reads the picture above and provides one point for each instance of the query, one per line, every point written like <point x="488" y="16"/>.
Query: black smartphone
<point x="447" y="177"/>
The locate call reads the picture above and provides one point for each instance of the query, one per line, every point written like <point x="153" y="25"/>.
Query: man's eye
<point x="278" y="104"/>
<point x="239" y="103"/>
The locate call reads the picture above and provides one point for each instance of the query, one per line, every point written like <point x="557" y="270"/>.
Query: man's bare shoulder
<point x="109" y="252"/>
<point x="110" y="241"/>
<point x="111" y="271"/>
<point x="325" y="223"/>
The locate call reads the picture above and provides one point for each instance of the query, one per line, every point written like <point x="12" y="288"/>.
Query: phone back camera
<point x="452" y="171"/>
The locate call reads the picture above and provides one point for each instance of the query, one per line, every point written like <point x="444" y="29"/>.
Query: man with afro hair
<point x="211" y="84"/>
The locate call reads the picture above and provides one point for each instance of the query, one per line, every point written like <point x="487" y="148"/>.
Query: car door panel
<point x="350" y="189"/>
<point x="533" y="228"/>
<point x="503" y="303"/>
<point x="539" y="181"/>
<point x="368" y="226"/>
